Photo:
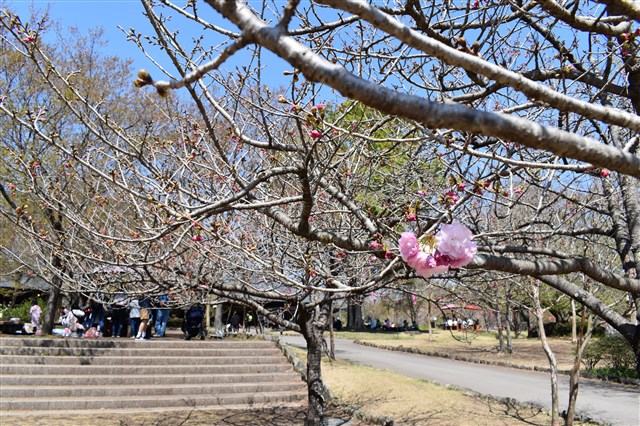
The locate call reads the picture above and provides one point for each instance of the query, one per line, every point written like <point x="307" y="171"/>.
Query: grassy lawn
<point x="417" y="402"/>
<point x="483" y="346"/>
<point x="195" y="417"/>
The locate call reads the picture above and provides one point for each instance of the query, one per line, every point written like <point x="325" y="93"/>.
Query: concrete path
<point x="609" y="403"/>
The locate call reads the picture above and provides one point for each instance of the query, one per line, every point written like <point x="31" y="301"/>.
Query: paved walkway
<point x="604" y="402"/>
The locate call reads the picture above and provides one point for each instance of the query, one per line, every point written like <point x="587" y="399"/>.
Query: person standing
<point x="35" y="311"/>
<point x="145" y="314"/>
<point x="162" y="315"/>
<point x="134" y="317"/>
<point x="119" y="316"/>
<point x="98" y="312"/>
<point x="86" y="308"/>
<point x="235" y="322"/>
<point x="95" y="317"/>
<point x="248" y="322"/>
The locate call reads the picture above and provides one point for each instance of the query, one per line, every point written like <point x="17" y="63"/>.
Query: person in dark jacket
<point x="235" y="322"/>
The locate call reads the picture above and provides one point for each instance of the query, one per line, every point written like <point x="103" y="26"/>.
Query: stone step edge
<point x="95" y="366"/>
<point x="129" y="342"/>
<point x="57" y="376"/>
<point x="171" y="380"/>
<point x="154" y="397"/>
<point x="173" y="386"/>
<point x="169" y="358"/>
<point x="229" y="407"/>
<point x="142" y="405"/>
<point x="137" y="351"/>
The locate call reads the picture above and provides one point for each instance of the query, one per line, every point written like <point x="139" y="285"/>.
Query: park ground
<point x="377" y="394"/>
<point x="412" y="401"/>
<point x="482" y="346"/>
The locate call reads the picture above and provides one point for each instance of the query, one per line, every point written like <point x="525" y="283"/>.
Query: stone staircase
<point x="56" y="375"/>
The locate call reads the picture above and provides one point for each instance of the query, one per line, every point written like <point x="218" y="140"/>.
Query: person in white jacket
<point x="134" y="317"/>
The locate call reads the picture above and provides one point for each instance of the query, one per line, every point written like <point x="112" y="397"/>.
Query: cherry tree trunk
<point x="332" y="340"/>
<point x="555" y="420"/>
<point x="54" y="298"/>
<point x="52" y="308"/>
<point x="217" y="321"/>
<point x="508" y="327"/>
<point x="574" y="325"/>
<point x="635" y="334"/>
<point x="312" y="325"/>
<point x="582" y="340"/>
<point x="553" y="364"/>
<point x="430" y="328"/>
<point x="501" y="348"/>
<point x="354" y="315"/>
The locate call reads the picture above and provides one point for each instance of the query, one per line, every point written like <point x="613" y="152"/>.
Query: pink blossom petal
<point x="315" y="134"/>
<point x="408" y="245"/>
<point x="454" y="242"/>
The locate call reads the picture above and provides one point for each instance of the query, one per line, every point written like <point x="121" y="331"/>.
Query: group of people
<point x="453" y="323"/>
<point x="235" y="323"/>
<point x="387" y="325"/>
<point x="129" y="316"/>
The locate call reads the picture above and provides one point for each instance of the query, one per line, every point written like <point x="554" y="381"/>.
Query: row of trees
<point x="515" y="118"/>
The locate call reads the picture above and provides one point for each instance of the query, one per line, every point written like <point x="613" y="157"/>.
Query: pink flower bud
<point x="605" y="173"/>
<point x="315" y="134"/>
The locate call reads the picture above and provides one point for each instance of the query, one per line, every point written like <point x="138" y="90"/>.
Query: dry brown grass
<point x="482" y="346"/>
<point x="195" y="417"/>
<point x="417" y="402"/>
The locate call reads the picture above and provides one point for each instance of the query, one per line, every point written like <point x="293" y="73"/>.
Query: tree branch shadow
<point x="525" y="413"/>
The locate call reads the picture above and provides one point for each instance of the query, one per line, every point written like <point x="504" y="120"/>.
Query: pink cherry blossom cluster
<point x="451" y="248"/>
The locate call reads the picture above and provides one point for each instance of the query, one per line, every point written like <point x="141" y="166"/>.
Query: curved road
<point x="604" y="402"/>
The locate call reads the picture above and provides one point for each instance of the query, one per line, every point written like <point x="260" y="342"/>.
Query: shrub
<point x="22" y="311"/>
<point x="612" y="350"/>
<point x="614" y="374"/>
<point x="561" y="329"/>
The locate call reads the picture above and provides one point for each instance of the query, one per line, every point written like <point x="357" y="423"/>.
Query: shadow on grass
<point x="510" y="408"/>
<point x="358" y="413"/>
<point x="262" y="416"/>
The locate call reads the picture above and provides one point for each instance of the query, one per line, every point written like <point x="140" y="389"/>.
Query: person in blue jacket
<point x="162" y="315"/>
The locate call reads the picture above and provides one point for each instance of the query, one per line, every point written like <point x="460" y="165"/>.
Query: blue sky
<point x="91" y="14"/>
<point x="109" y="14"/>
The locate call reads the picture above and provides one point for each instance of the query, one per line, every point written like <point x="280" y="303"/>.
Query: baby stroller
<point x="192" y="323"/>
